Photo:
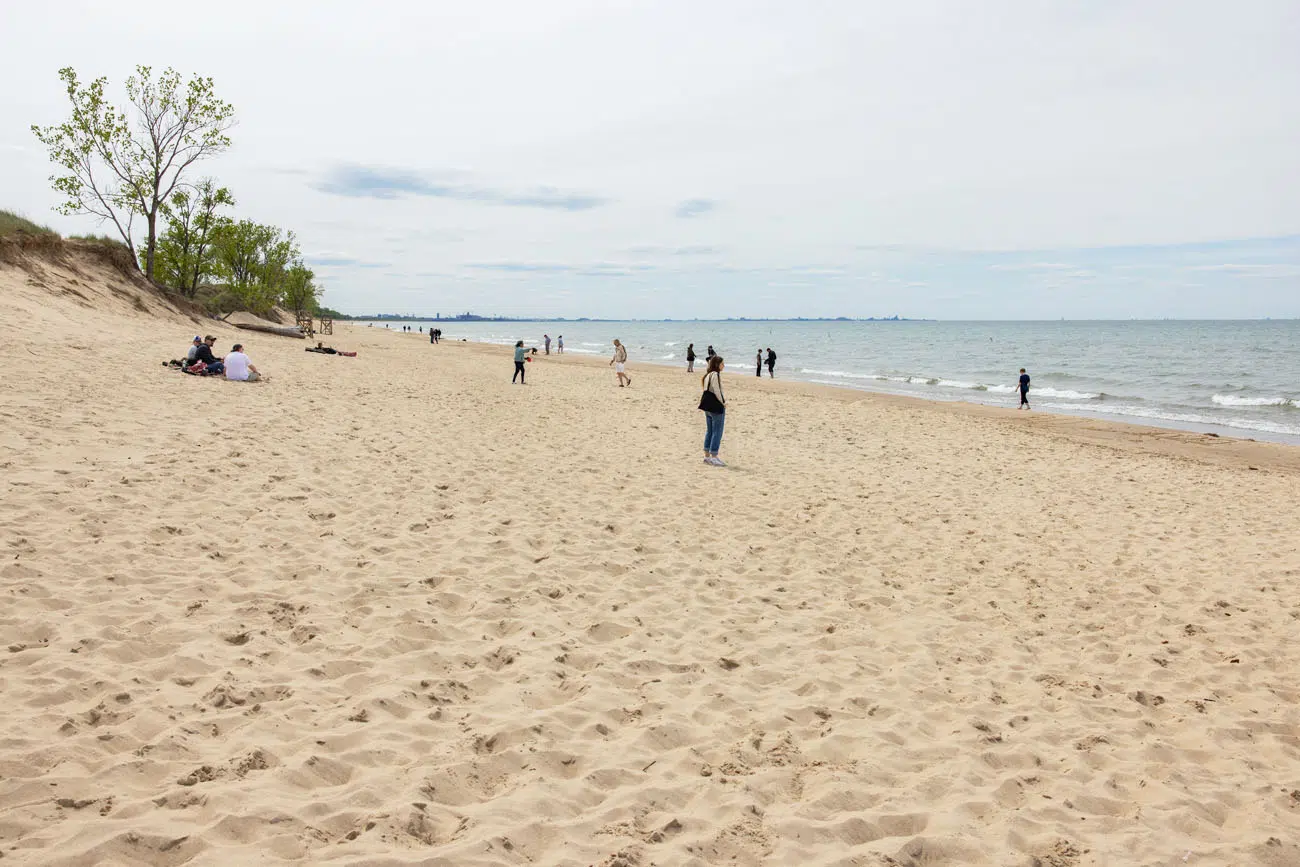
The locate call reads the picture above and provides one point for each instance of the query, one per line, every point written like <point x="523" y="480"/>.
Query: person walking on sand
<point x="620" y="361"/>
<point x="690" y="357"/>
<point x="559" y="346"/>
<point x="1024" y="389"/>
<point x="520" y="355"/>
<point x="771" y="363"/>
<point x="708" y="356"/>
<point x="758" y="364"/>
<point x="547" y="338"/>
<point x="433" y="337"/>
<point x="714" y="405"/>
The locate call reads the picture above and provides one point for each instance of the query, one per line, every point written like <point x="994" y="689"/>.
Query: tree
<point x="116" y="170"/>
<point x="185" y="250"/>
<point x="300" y="291"/>
<point x="256" y="261"/>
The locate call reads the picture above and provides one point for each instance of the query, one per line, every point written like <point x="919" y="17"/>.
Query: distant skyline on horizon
<point x="1099" y="162"/>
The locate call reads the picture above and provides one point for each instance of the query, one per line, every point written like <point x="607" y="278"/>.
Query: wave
<point x="1045" y="391"/>
<point x="1132" y="411"/>
<point x="847" y="375"/>
<point x="1233" y="400"/>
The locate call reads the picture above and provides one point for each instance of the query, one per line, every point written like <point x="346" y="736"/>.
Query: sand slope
<point x="392" y="610"/>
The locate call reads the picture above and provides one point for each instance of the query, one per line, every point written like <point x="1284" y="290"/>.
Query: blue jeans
<point x="714" y="422"/>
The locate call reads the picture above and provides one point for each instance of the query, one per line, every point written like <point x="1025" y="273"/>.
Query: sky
<point x="950" y="160"/>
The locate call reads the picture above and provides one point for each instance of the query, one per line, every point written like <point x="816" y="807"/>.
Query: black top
<point x="1024" y="382"/>
<point x="771" y="357"/>
<point x="205" y="355"/>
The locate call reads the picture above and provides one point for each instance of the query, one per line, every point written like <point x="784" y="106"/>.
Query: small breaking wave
<point x="1234" y="400"/>
<point x="1156" y="414"/>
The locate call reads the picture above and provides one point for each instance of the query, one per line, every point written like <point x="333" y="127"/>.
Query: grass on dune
<point x="12" y="224"/>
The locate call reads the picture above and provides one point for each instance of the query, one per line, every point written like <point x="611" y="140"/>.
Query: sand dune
<point x="391" y="610"/>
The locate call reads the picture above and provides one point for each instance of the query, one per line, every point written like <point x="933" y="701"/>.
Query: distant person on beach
<point x="714" y="405"/>
<point x="433" y="336"/>
<point x="1024" y="390"/>
<point x="690" y="357"/>
<point x="708" y="356"/>
<point x="620" y="363"/>
<point x="771" y="363"/>
<point x="547" y="338"/>
<point x="239" y="367"/>
<point x="212" y="365"/>
<point x="560" y="344"/>
<point x="521" y="356"/>
<point x="758" y="364"/>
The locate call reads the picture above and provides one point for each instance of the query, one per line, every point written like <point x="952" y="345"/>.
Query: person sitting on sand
<point x="212" y="364"/>
<point x="193" y="350"/>
<point x="238" y="366"/>
<point x="320" y="347"/>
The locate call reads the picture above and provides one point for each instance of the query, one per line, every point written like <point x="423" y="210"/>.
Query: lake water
<point x="1236" y="378"/>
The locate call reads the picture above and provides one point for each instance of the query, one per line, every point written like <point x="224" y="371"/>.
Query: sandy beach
<point x="393" y="610"/>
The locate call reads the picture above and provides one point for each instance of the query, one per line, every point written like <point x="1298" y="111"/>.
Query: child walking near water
<point x="1024" y="389"/>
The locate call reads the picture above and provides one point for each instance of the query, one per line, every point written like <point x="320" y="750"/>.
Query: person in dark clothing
<point x="709" y="355"/>
<point x="212" y="364"/>
<point x="771" y="363"/>
<point x="433" y="336"/>
<point x="690" y="358"/>
<point x="1024" y="390"/>
<point x="758" y="363"/>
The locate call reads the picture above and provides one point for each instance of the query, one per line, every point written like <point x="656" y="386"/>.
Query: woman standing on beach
<point x="520" y="355"/>
<point x="690" y="357"/>
<point x="714" y="405"/>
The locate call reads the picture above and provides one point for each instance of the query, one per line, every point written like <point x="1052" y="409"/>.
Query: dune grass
<point x="12" y="224"/>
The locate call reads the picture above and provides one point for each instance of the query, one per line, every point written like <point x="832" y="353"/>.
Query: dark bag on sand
<point x="709" y="401"/>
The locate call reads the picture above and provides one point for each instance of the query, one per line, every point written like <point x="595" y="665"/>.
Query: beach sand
<point x="392" y="610"/>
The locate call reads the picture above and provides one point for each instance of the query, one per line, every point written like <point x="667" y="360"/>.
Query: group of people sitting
<point x="236" y="365"/>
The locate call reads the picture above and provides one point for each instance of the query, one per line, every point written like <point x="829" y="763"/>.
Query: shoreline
<point x="1163" y="416"/>
<point x="1091" y="428"/>
<point x="393" y="609"/>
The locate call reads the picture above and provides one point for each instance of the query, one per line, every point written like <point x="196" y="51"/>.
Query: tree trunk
<point x="152" y="244"/>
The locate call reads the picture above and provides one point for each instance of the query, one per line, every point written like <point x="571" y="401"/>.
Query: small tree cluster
<point x="123" y="164"/>
<point x="262" y="266"/>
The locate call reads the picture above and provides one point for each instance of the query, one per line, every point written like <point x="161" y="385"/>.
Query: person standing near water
<point x="758" y="364"/>
<point x="708" y="356"/>
<point x="690" y="357"/>
<point x="520" y="355"/>
<point x="620" y="361"/>
<point x="714" y="405"/>
<point x="771" y="363"/>
<point x="560" y="345"/>
<point x="1024" y="390"/>
<point x="547" y="338"/>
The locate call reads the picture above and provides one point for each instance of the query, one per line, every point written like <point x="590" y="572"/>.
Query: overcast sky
<point x="712" y="159"/>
